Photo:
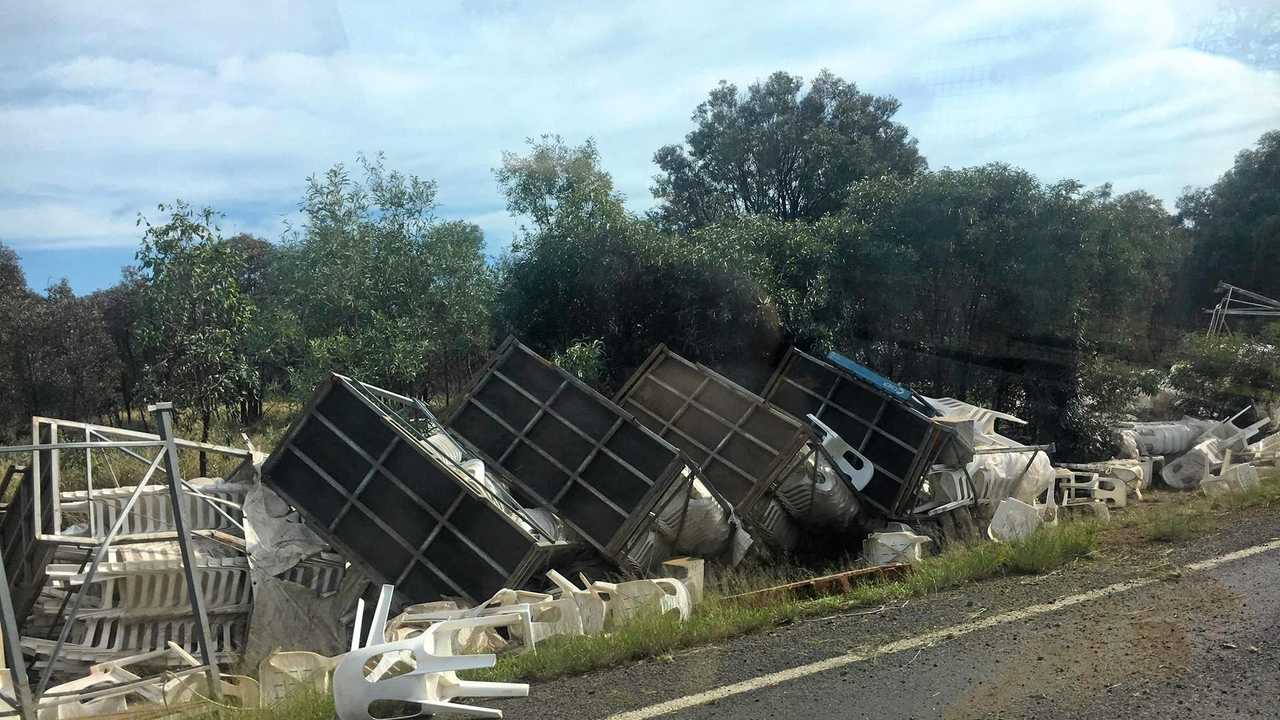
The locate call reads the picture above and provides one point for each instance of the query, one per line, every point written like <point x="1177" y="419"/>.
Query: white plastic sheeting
<point x="288" y="615"/>
<point x="1024" y="475"/>
<point x="1168" y="438"/>
<point x="777" y="527"/>
<point x="274" y="535"/>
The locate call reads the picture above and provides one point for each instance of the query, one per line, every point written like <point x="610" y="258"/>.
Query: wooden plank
<point x="835" y="584"/>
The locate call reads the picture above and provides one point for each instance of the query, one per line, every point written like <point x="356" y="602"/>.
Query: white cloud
<point x="106" y="111"/>
<point x="51" y="224"/>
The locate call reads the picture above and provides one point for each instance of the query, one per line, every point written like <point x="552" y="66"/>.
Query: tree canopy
<point x="378" y="287"/>
<point x="1235" y="225"/>
<point x="793" y="214"/>
<point x="780" y="151"/>
<point x="194" y="315"/>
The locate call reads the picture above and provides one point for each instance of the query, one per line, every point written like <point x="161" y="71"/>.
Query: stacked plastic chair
<point x="427" y="665"/>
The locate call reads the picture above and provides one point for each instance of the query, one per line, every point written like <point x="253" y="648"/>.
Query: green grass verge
<point x="302" y="705"/>
<point x="1194" y="516"/>
<point x="714" y="621"/>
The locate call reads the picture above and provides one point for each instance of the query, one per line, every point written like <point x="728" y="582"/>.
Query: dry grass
<point x="115" y="467"/>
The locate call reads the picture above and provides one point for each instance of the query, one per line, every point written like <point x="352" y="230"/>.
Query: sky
<point x="108" y="109"/>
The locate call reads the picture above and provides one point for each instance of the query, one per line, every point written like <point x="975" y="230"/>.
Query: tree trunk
<point x="204" y="437"/>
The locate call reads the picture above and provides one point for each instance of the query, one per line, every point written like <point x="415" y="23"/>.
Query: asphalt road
<point x="1199" y="644"/>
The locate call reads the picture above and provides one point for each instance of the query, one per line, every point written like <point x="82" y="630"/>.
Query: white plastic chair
<point x="1112" y="491"/>
<point x="281" y="674"/>
<point x="1014" y="520"/>
<point x="504" y="602"/>
<point x="896" y="544"/>
<point x="432" y="683"/>
<point x="841" y="452"/>
<point x="1076" y="488"/>
<point x="628" y="599"/>
<point x="593" y="610"/>
<point x="237" y="690"/>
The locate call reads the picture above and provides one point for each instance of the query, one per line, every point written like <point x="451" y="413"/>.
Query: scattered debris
<point x="1164" y="438"/>
<point x="271" y="566"/>
<point x="1206" y="456"/>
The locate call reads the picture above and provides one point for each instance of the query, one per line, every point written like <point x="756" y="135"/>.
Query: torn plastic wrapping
<point x="274" y="535"/>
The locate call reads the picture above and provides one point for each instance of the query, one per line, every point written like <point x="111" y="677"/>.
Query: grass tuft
<point x="1175" y="525"/>
<point x="1047" y="550"/>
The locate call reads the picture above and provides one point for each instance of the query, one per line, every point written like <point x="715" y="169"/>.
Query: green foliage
<point x="55" y="356"/>
<point x="1235" y="227"/>
<point x="1031" y="298"/>
<point x="376" y="287"/>
<point x="1106" y="388"/>
<point x="1217" y="376"/>
<point x="585" y="359"/>
<point x="793" y="214"/>
<point x="193" y="315"/>
<point x="585" y="267"/>
<point x="13" y="297"/>
<point x="777" y="152"/>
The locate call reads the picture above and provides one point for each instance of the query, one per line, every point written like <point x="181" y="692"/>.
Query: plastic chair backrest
<point x="844" y="456"/>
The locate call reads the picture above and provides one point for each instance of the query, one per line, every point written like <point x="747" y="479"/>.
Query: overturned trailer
<point x="378" y="478"/>
<point x="742" y="443"/>
<point x="885" y="423"/>
<point x="746" y="448"/>
<point x="568" y="449"/>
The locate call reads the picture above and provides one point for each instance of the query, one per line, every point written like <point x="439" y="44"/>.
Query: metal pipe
<point x="213" y="501"/>
<point x="163" y="415"/>
<point x="79" y="446"/>
<point x="13" y="649"/>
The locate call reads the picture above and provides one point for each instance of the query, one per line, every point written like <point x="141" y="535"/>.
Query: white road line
<point x="920" y="641"/>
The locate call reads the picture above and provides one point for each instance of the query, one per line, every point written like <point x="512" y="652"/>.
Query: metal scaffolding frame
<point x="43" y="509"/>
<point x="1237" y="302"/>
